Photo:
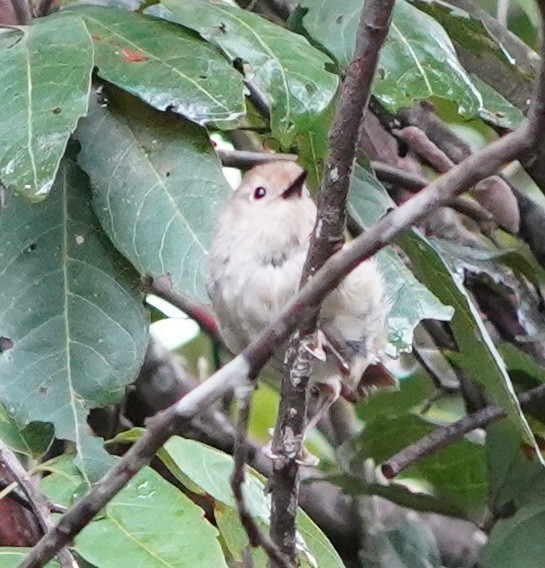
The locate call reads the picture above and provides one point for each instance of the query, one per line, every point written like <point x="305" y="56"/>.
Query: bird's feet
<point x="304" y="457"/>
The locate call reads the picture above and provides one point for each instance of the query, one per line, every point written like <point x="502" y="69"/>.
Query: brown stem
<point x="245" y="160"/>
<point x="255" y="535"/>
<point x="162" y="286"/>
<point x="443" y="437"/>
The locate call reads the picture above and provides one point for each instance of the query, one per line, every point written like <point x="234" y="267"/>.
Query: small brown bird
<point x="255" y="266"/>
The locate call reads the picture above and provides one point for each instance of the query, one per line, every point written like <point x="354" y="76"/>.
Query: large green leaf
<point x="496" y="109"/>
<point x="71" y="307"/>
<point x="479" y="357"/>
<point x="149" y="523"/>
<point x="211" y="470"/>
<point x="284" y="66"/>
<point x="11" y="557"/>
<point x="45" y="77"/>
<point x="517" y="490"/>
<point x="519" y="540"/>
<point x="512" y="475"/>
<point x="164" y="65"/>
<point x="157" y="185"/>
<point x="457" y="473"/>
<point x="486" y="48"/>
<point x="411" y="301"/>
<point x="418" y="60"/>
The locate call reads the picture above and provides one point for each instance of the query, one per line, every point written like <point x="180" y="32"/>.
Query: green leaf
<point x="72" y="309"/>
<point x="313" y="145"/>
<point x="149" y="523"/>
<point x="456" y="473"/>
<point x="484" y="46"/>
<point x="479" y="356"/>
<point x="418" y="60"/>
<point x="284" y="66"/>
<point x="496" y="109"/>
<point x="414" y="544"/>
<point x="399" y="494"/>
<point x="519" y="541"/>
<point x="511" y="474"/>
<point x="517" y="362"/>
<point x="164" y="65"/>
<point x="211" y="470"/>
<point x="411" y="302"/>
<point x="45" y="77"/>
<point x="11" y="557"/>
<point x="414" y="393"/>
<point x="34" y="440"/>
<point x="157" y="189"/>
<point x="493" y="262"/>
<point x="235" y="537"/>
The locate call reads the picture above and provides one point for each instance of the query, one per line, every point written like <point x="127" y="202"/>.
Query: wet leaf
<point x="157" y="187"/>
<point x="149" y="523"/>
<point x="45" y="78"/>
<point x="411" y="301"/>
<point x="72" y="307"/>
<point x="211" y="470"/>
<point x="479" y="357"/>
<point x="164" y="65"/>
<point x="418" y="60"/>
<point x="283" y="65"/>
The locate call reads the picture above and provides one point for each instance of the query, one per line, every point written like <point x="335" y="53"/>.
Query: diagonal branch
<point x="243" y="369"/>
<point x="255" y="536"/>
<point x="443" y="437"/>
<point x="327" y="238"/>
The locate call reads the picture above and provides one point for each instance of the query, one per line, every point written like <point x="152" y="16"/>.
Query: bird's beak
<point x="296" y="187"/>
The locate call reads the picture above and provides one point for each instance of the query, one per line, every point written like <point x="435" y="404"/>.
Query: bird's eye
<point x="260" y="192"/>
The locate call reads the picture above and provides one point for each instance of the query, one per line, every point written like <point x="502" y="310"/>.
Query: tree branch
<point x="327" y="238"/>
<point x="255" y="535"/>
<point x="162" y="286"/>
<point x="245" y="160"/>
<point x="22" y="11"/>
<point x="243" y="369"/>
<point x="443" y="437"/>
<point x="40" y="505"/>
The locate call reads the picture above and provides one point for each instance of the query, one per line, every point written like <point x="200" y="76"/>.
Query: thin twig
<point x="245" y="160"/>
<point x="443" y="437"/>
<point x="255" y="535"/>
<point x="326" y="239"/>
<point x="398" y="177"/>
<point x="244" y="368"/>
<point x="39" y="504"/>
<point x="162" y="286"/>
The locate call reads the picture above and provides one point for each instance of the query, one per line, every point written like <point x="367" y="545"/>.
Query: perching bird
<point x="255" y="265"/>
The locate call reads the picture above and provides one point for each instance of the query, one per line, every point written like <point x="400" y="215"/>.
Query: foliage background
<point x="111" y="175"/>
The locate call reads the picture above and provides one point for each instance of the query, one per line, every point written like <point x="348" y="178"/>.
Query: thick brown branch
<point x="327" y="238"/>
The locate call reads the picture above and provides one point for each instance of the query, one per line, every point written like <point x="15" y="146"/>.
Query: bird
<point x="255" y="263"/>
